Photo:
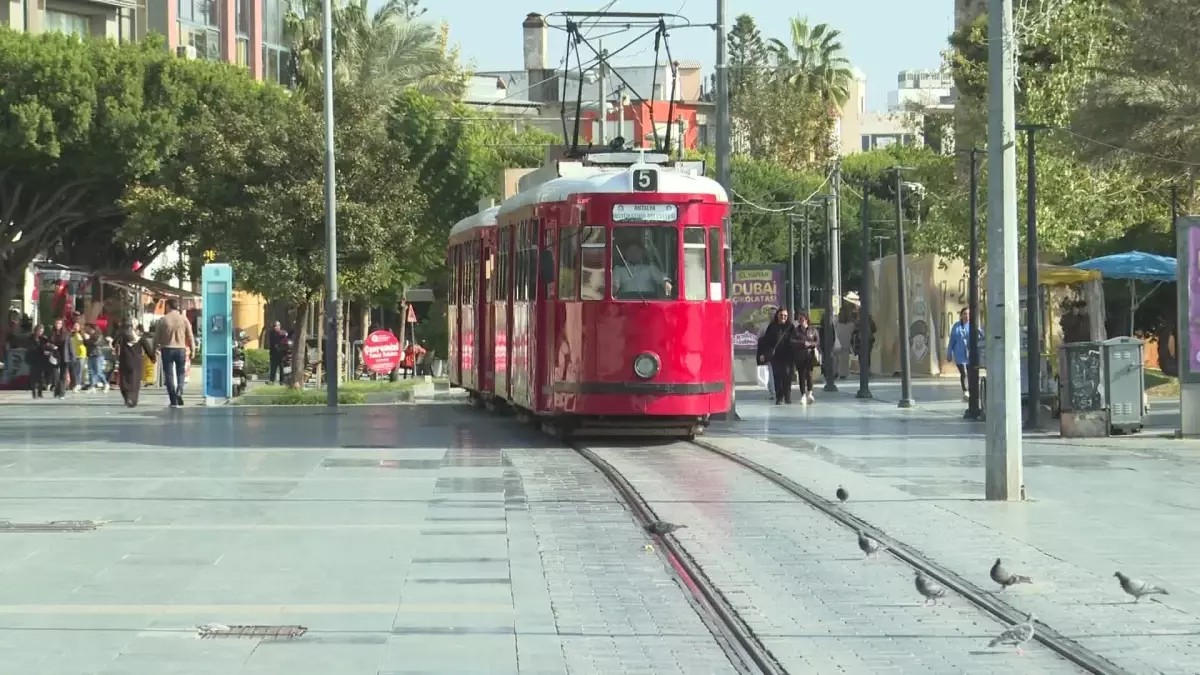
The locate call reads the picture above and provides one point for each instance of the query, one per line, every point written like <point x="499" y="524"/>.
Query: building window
<point x="71" y="24"/>
<point x="243" y="52"/>
<point x="199" y="27"/>
<point x="276" y="58"/>
<point x="243" y="18"/>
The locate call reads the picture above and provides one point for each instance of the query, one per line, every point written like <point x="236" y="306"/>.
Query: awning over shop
<point x="136" y="283"/>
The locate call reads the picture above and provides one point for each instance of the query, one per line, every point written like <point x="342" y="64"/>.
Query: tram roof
<point x="594" y="180"/>
<point x="485" y="218"/>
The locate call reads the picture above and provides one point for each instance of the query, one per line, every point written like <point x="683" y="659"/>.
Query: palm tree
<point x="381" y="53"/>
<point x="814" y="62"/>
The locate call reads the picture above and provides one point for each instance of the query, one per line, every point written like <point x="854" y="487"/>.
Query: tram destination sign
<point x="645" y="213"/>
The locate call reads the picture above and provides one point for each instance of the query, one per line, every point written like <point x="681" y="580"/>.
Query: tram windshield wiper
<point x="632" y="281"/>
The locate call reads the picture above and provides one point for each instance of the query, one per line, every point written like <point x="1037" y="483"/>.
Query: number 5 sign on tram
<point x="645" y="180"/>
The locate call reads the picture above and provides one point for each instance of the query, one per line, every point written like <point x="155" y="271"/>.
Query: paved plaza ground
<point x="438" y="539"/>
<point x="1095" y="506"/>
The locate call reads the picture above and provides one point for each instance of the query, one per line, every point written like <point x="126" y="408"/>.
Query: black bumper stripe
<point x="640" y="388"/>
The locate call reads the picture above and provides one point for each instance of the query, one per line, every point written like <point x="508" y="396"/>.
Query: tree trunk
<point x="299" y="349"/>
<point x="8" y="291"/>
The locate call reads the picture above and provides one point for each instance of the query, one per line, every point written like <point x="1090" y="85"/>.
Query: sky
<point x="881" y="37"/>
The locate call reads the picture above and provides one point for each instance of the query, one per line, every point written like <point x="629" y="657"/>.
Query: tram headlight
<point x="645" y="365"/>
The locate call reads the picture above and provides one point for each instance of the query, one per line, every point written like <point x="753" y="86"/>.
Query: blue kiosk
<point x="217" y="334"/>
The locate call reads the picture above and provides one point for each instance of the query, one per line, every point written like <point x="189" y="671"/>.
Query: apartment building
<point x="246" y="32"/>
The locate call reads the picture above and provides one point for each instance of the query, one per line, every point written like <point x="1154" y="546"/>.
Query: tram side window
<point x="695" y="264"/>
<point x="645" y="262"/>
<point x="502" y="280"/>
<point x="593" y="246"/>
<point x="455" y="280"/>
<point x="568" y="263"/>
<point x="531" y="261"/>
<point x="517" y="259"/>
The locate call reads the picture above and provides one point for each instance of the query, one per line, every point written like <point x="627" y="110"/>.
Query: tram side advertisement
<point x="757" y="292"/>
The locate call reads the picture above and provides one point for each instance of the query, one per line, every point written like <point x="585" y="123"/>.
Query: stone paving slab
<point x="1093" y="510"/>
<point x="800" y="582"/>
<point x="416" y="539"/>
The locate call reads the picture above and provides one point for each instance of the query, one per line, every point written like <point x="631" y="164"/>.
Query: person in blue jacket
<point x="959" y="348"/>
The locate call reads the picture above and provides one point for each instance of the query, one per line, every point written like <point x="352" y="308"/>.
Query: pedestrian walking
<point x="61" y="356"/>
<point x="175" y="341"/>
<point x="958" y="349"/>
<point x="777" y="348"/>
<point x="37" y="355"/>
<point x="133" y="351"/>
<point x="808" y="356"/>
<point x="94" y="342"/>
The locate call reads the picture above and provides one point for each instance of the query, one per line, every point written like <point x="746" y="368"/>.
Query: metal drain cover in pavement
<point x="217" y="630"/>
<point x="52" y="526"/>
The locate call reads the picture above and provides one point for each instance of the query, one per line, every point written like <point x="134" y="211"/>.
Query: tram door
<point x="549" y="307"/>
<point x="485" y="339"/>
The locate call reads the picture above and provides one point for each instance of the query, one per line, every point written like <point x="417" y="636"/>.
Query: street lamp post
<point x="1033" y="305"/>
<point x="827" y="340"/>
<point x="331" y="281"/>
<point x="973" y="411"/>
<point x="906" y="400"/>
<point x="865" y="337"/>
<point x="791" y="271"/>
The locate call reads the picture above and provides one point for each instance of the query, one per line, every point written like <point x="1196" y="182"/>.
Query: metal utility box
<point x="1124" y="384"/>
<point x="1080" y="390"/>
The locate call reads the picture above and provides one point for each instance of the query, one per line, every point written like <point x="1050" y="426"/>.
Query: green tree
<point x="1057" y="62"/>
<point x="749" y="62"/>
<point x="1148" y="98"/>
<point x="79" y="122"/>
<point x="813" y="60"/>
<point x="380" y="53"/>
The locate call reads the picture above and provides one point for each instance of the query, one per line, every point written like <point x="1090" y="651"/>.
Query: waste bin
<point x="1124" y="384"/>
<point x="1080" y="391"/>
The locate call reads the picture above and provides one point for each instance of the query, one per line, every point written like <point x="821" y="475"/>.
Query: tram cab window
<point x="593" y="245"/>
<point x="645" y="263"/>
<point x="715" y="281"/>
<point x="695" y="264"/>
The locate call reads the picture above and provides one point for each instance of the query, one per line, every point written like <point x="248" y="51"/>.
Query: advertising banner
<point x="758" y="290"/>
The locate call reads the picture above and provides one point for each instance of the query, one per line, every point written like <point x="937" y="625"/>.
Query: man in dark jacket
<point x="276" y="339"/>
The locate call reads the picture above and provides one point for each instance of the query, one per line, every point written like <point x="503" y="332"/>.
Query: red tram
<point x="595" y="298"/>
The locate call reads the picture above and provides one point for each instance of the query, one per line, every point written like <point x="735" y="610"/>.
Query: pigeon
<point x="929" y="588"/>
<point x="1137" y="588"/>
<point x="842" y="495"/>
<point x="868" y="545"/>
<point x="1016" y="635"/>
<point x="661" y="527"/>
<point x="1006" y="578"/>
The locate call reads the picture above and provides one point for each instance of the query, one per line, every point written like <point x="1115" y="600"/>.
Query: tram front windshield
<point x="645" y="263"/>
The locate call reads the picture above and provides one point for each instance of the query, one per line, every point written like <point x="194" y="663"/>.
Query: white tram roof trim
<point x="485" y="218"/>
<point x="612" y="181"/>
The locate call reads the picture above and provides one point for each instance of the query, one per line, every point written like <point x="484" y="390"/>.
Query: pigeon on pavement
<point x="1138" y="588"/>
<point x="1016" y="635"/>
<point x="868" y="545"/>
<point x="661" y="527"/>
<point x="929" y="588"/>
<point x="1006" y="578"/>
<point x="842" y="495"/>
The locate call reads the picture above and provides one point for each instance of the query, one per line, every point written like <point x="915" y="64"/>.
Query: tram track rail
<point x="737" y="640"/>
<point x="1066" y="648"/>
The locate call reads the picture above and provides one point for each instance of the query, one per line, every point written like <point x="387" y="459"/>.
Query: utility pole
<point x="791" y="271"/>
<point x="1033" y="295"/>
<point x="724" y="133"/>
<point x="1174" y="209"/>
<point x="1003" y="480"/>
<point x="906" y="400"/>
<point x="603" y="82"/>
<point x="830" y="365"/>
<point x="866" y="339"/>
<point x="331" y="280"/>
<point x="806" y="269"/>
<point x="973" y="296"/>
<point x="835" y="250"/>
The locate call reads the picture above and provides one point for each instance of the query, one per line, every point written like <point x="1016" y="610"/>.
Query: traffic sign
<point x="381" y="352"/>
<point x="412" y="315"/>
